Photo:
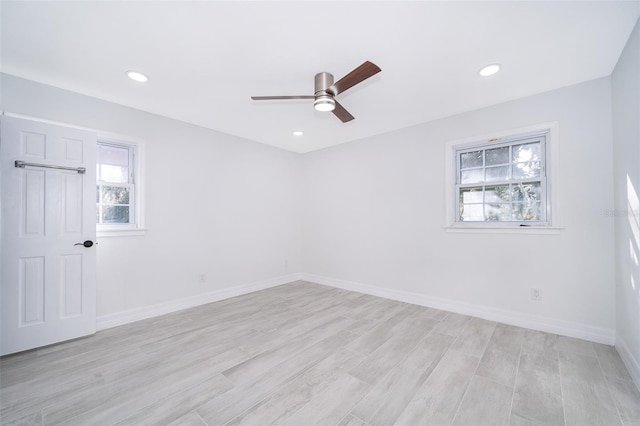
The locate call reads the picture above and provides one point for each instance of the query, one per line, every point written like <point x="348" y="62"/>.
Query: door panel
<point x="31" y="303"/>
<point x="32" y="214"/>
<point x="71" y="285"/>
<point x="48" y="282"/>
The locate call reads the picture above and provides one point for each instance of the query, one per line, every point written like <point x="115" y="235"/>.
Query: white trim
<point x="629" y="360"/>
<point x="132" y="315"/>
<point x="520" y="230"/>
<point x="125" y="232"/>
<point x="534" y="322"/>
<point x="552" y="165"/>
<point x="139" y="168"/>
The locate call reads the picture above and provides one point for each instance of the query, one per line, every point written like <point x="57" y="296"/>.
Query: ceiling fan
<point x="326" y="90"/>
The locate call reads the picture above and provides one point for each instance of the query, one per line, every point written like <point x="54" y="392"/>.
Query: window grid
<point x="115" y="196"/>
<point x="508" y="198"/>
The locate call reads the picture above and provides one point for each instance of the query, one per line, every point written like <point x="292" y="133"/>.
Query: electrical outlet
<point x="536" y="294"/>
<point x="203" y="278"/>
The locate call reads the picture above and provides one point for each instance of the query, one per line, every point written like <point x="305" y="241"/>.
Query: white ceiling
<point x="205" y="59"/>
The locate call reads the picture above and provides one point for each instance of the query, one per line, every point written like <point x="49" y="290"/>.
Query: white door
<point x="48" y="275"/>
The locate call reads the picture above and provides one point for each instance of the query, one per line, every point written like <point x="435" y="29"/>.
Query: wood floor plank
<point x="332" y="405"/>
<point x="377" y="364"/>
<point x="173" y="408"/>
<point x="475" y="336"/>
<point x="257" y="365"/>
<point x="538" y="390"/>
<point x="502" y="355"/>
<point x="536" y="342"/>
<point x="115" y="403"/>
<point x="452" y="324"/>
<point x="612" y="365"/>
<point x="229" y="405"/>
<point x="576" y="346"/>
<point x="374" y="338"/>
<point x="391" y="395"/>
<point x="190" y="419"/>
<point x="485" y="403"/>
<point x="292" y="396"/>
<point x="627" y="399"/>
<point x="586" y="396"/>
<point x="350" y="420"/>
<point x="437" y="401"/>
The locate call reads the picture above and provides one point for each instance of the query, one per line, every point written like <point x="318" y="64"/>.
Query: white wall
<point x="368" y="212"/>
<point x="626" y="143"/>
<point x="215" y="204"/>
<point x="374" y="214"/>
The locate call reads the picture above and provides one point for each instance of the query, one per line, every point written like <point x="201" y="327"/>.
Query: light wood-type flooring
<point x="302" y="354"/>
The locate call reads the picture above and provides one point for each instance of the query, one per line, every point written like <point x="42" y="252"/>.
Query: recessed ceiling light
<point x="298" y="133"/>
<point x="137" y="76"/>
<point x="489" y="70"/>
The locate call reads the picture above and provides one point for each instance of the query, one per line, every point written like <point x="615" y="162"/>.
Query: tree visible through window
<point x="115" y="184"/>
<point x="502" y="182"/>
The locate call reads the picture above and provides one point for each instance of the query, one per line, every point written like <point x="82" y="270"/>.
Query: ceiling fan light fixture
<point x="324" y="103"/>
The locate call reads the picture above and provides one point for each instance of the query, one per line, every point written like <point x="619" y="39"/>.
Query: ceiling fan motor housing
<point x="323" y="81"/>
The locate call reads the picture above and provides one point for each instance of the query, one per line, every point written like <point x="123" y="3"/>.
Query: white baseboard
<point x="629" y="360"/>
<point x="550" y="325"/>
<point x="125" y="317"/>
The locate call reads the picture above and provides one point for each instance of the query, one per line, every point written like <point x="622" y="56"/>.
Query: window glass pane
<point x="496" y="173"/>
<point x="97" y="193"/>
<point x="471" y="159"/>
<point x="115" y="195"/>
<point x="527" y="192"/>
<point x="526" y="170"/>
<point x="115" y="214"/>
<point x="527" y="211"/>
<point x="471" y="176"/>
<point x="497" y="156"/>
<point x="497" y="194"/>
<point x="498" y="211"/>
<point x="114" y="174"/>
<point x="526" y="152"/>
<point x="471" y="212"/>
<point x="471" y="195"/>
<point x="118" y="156"/>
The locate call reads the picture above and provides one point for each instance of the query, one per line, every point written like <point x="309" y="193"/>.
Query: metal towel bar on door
<point x="23" y="164"/>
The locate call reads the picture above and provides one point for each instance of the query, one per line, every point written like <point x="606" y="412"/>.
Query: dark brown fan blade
<point x="275" y="98"/>
<point x="356" y="76"/>
<point x="342" y="113"/>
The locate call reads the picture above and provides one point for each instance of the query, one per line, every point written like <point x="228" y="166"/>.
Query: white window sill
<point x="131" y="232"/>
<point x="520" y="230"/>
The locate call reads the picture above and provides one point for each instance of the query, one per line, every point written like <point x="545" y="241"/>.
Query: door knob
<point x="87" y="244"/>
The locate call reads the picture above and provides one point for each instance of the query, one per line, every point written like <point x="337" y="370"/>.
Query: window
<point x="503" y="181"/>
<point x="117" y="186"/>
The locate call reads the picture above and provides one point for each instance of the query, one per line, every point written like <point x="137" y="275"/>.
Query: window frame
<point x="503" y="143"/>
<point x="136" y="218"/>
<point x="548" y="179"/>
